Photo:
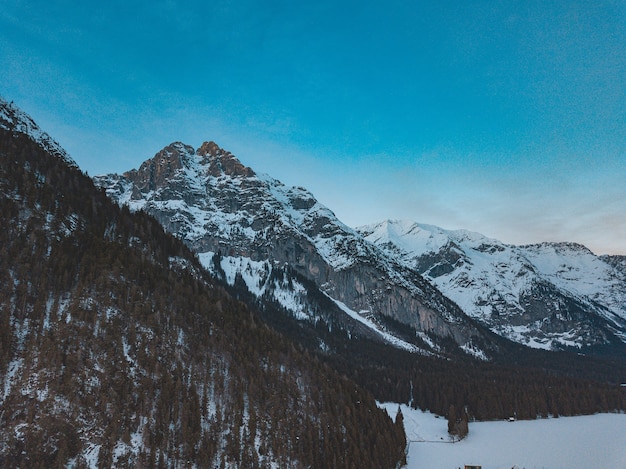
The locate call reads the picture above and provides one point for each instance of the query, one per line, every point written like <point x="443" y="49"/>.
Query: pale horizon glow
<point x="505" y="119"/>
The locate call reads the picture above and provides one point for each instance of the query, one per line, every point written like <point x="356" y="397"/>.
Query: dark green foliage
<point x="523" y="382"/>
<point x="116" y="342"/>
<point x="546" y="386"/>
<point x="457" y="422"/>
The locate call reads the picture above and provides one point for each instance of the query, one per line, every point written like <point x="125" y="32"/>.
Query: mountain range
<point x="443" y="284"/>
<point x="547" y="295"/>
<point x="257" y="227"/>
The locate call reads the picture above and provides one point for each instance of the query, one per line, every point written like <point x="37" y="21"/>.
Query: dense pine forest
<point x="520" y="382"/>
<point x="118" y="350"/>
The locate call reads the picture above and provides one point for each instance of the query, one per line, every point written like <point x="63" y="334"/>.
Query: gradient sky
<point x="503" y="117"/>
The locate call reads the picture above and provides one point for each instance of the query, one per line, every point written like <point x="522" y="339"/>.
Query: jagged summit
<point x="178" y="160"/>
<point x="211" y="149"/>
<point x="162" y="167"/>
<point x="222" y="162"/>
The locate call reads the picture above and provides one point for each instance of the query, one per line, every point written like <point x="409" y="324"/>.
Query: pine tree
<point x="452" y="420"/>
<point x="401" y="435"/>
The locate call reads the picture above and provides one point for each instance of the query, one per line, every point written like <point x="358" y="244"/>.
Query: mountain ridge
<point x="13" y="119"/>
<point x="241" y="214"/>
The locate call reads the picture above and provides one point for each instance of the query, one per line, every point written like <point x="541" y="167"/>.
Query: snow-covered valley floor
<point x="587" y="442"/>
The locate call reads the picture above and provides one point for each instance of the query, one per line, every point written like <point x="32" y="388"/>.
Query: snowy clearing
<point x="586" y="442"/>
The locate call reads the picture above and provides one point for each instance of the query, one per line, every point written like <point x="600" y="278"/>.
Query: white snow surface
<point x="585" y="442"/>
<point x="255" y="274"/>
<point x="576" y="269"/>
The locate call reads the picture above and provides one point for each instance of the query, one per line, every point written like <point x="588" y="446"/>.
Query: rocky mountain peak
<point x="211" y="149"/>
<point x="154" y="172"/>
<point x="617" y="261"/>
<point x="561" y="248"/>
<point x="222" y="162"/>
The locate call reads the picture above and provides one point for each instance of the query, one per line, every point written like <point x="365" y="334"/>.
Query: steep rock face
<point x="547" y="295"/>
<point x="217" y="205"/>
<point x="165" y="165"/>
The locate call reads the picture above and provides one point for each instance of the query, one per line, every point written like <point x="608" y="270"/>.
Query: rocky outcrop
<point x="222" y="162"/>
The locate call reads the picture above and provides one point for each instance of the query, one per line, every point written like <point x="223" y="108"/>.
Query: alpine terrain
<point x="193" y="313"/>
<point x="549" y="295"/>
<point x="360" y="306"/>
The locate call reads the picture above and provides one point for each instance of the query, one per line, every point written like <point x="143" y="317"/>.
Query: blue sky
<point x="503" y="117"/>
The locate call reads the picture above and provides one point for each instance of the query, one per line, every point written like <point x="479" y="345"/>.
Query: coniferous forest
<point x="521" y="382"/>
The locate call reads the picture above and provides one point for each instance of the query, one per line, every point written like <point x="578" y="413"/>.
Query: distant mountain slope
<point x="255" y="225"/>
<point x="118" y="350"/>
<point x="548" y="295"/>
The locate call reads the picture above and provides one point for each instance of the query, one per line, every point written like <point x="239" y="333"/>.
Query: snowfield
<point x="586" y="442"/>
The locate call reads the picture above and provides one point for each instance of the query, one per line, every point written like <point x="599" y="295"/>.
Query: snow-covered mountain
<point x="252" y="227"/>
<point x="117" y="349"/>
<point x="546" y="295"/>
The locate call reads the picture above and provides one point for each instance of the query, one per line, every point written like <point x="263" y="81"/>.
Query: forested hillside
<point x="117" y="349"/>
<point x="523" y="382"/>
